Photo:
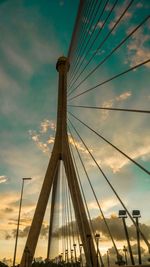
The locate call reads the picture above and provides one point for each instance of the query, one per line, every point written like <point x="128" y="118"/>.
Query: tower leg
<point x="79" y="208"/>
<point x="54" y="189"/>
<point x="40" y="209"/>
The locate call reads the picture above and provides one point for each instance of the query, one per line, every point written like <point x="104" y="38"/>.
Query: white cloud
<point x="137" y="50"/>
<point x="77" y="144"/>
<point x="106" y="204"/>
<point x="3" y="179"/>
<point x="123" y="96"/>
<point x="118" y="11"/>
<point x="111" y="102"/>
<point x="47" y="124"/>
<point x="40" y="137"/>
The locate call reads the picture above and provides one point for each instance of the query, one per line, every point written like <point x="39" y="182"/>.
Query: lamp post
<point x="18" y="222"/>
<point x="125" y="254"/>
<point x="136" y="215"/>
<point x="123" y="216"/>
<point x="108" y="261"/>
<point x="72" y="255"/>
<point x="80" y="248"/>
<point x="66" y="254"/>
<point x="97" y="236"/>
<point x="75" y="253"/>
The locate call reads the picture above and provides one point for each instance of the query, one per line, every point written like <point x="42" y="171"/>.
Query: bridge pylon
<point x="61" y="152"/>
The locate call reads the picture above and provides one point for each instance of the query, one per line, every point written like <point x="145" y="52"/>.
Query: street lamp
<point x="18" y="222"/>
<point x="136" y="215"/>
<point x="80" y="248"/>
<point x="75" y="253"/>
<point x="108" y="260"/>
<point x="123" y="216"/>
<point x="72" y="255"/>
<point x="97" y="236"/>
<point x="66" y="256"/>
<point x="125" y="254"/>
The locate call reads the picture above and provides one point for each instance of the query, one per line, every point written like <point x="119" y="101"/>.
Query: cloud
<point x="27" y="61"/>
<point x="106" y="204"/>
<point x="47" y="124"/>
<point x="24" y="232"/>
<point x="124" y="96"/>
<point x="137" y="49"/>
<point x="112" y="102"/>
<point x="77" y="144"/>
<point x="115" y="224"/>
<point x="3" y="179"/>
<point x="44" y="142"/>
<point x="117" y="13"/>
<point x="40" y="137"/>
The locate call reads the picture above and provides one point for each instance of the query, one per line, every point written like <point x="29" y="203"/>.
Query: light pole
<point x="80" y="248"/>
<point x="67" y="259"/>
<point x="123" y="216"/>
<point x="108" y="260"/>
<point x="18" y="222"/>
<point x="136" y="215"/>
<point x="75" y="253"/>
<point x="125" y="254"/>
<point x="97" y="236"/>
<point x="72" y="255"/>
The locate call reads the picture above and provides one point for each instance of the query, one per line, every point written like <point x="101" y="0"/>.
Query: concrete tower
<point x="62" y="152"/>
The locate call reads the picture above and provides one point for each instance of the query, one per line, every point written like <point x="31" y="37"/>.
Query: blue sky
<point x="33" y="35"/>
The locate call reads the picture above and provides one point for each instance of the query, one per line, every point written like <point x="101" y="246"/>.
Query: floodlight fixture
<point x="136" y="214"/>
<point x="122" y="214"/>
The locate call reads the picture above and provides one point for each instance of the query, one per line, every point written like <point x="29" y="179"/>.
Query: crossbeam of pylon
<point x="61" y="151"/>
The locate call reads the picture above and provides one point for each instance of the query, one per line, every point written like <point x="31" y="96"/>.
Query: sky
<point x="33" y="35"/>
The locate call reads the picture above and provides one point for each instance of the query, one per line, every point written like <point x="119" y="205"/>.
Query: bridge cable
<point x="81" y="188"/>
<point x="72" y="50"/>
<point x="80" y="184"/>
<point x="66" y="221"/>
<point x="109" y="33"/>
<point x="91" y="19"/>
<point x="87" y="9"/>
<point x="115" y="109"/>
<point x="93" y="191"/>
<point x="69" y="219"/>
<point x="77" y="200"/>
<point x="111" y="186"/>
<point x="83" y="195"/>
<point x="111" y="53"/>
<point x="97" y="35"/>
<point x="81" y="34"/>
<point x="90" y="36"/>
<point x="74" y="34"/>
<point x="108" y="142"/>
<point x="87" y="176"/>
<point x="112" y="78"/>
<point x="63" y="219"/>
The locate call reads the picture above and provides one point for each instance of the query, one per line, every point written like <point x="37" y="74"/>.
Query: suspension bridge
<point x="74" y="238"/>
